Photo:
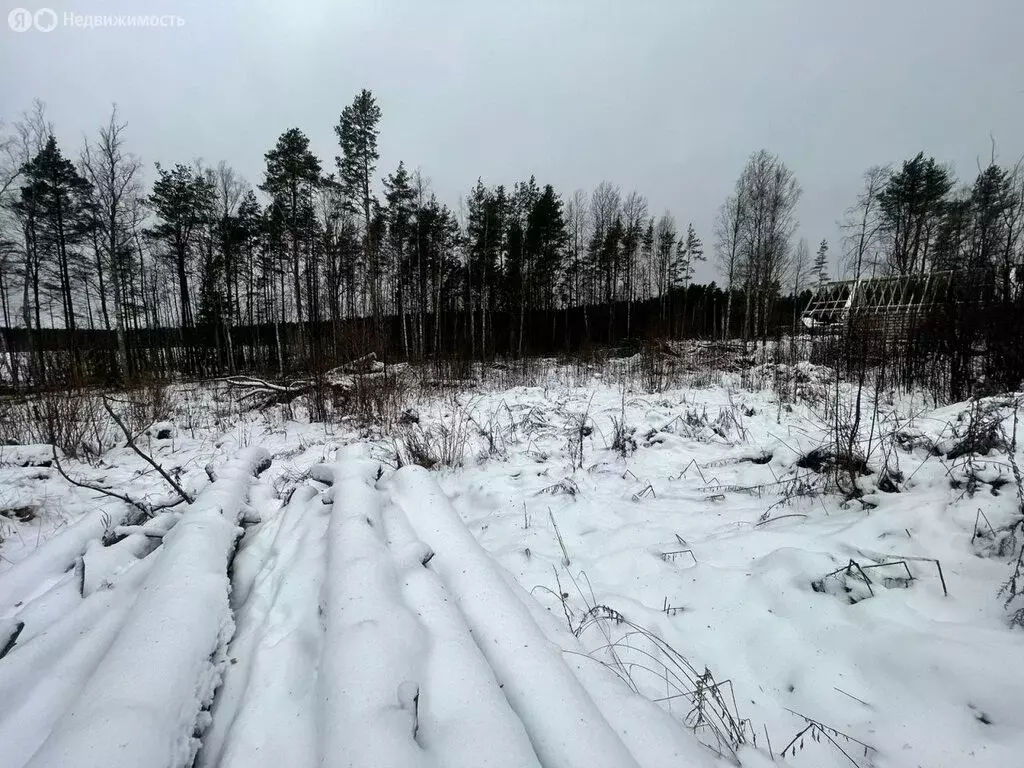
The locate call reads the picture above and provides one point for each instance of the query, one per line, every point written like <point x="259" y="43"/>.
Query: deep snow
<point x="691" y="568"/>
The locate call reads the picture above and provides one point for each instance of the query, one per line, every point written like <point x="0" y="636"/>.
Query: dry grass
<point x="652" y="668"/>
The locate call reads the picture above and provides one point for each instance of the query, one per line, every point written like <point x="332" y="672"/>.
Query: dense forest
<point x="323" y="259"/>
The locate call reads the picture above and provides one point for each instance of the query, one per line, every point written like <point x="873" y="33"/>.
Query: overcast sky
<point x="668" y="97"/>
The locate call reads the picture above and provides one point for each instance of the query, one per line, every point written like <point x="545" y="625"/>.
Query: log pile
<point x="341" y="380"/>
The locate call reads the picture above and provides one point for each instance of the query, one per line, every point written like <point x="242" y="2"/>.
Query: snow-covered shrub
<point x="1013" y="589"/>
<point x="695" y="424"/>
<point x="730" y="422"/>
<point x="840" y="468"/>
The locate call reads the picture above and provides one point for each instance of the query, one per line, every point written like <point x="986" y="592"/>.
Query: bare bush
<point x="1013" y="589"/>
<point x="623" y="437"/>
<point x="71" y="420"/>
<point x="443" y="445"/>
<point x="579" y="429"/>
<point x="379" y="400"/>
<point x="141" y="407"/>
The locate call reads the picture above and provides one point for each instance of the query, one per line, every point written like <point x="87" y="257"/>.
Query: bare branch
<point x="131" y="444"/>
<point x="144" y="508"/>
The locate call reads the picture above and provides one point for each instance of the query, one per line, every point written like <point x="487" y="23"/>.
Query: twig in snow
<point x="780" y="517"/>
<point x="671" y="610"/>
<point x="851" y="696"/>
<point x="648" y="491"/>
<point x="816" y="731"/>
<point x="938" y="567"/>
<point x="670" y="556"/>
<point x="565" y="554"/>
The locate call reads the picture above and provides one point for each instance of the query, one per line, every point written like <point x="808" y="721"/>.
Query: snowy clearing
<point x="608" y="578"/>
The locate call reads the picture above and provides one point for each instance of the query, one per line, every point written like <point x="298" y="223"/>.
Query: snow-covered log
<point x="44" y="567"/>
<point x="375" y="642"/>
<point x="565" y="725"/>
<point x="366" y="364"/>
<point x="342" y="380"/>
<point x="143" y="703"/>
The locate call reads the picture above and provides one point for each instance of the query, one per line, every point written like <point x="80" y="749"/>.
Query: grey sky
<point x="666" y="97"/>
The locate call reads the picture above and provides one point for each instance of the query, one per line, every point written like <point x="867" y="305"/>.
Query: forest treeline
<point x="327" y="256"/>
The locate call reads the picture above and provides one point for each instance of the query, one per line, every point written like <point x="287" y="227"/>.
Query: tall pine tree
<point x="55" y="204"/>
<point x="292" y="173"/>
<point x="183" y="201"/>
<point x="820" y="269"/>
<point x="357" y="134"/>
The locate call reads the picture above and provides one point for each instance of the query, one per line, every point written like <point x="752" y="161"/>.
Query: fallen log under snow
<point x="260" y="393"/>
<point x="143" y="703"/>
<point x="47" y="564"/>
<point x="530" y="669"/>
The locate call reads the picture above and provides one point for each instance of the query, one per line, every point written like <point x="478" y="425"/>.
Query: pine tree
<point x="992" y="198"/>
<point x="820" y="269"/>
<point x="647" y="259"/>
<point x="485" y="231"/>
<point x="911" y="206"/>
<point x="544" y="243"/>
<point x="292" y="173"/>
<point x="400" y="197"/>
<point x="634" y="217"/>
<point x="212" y="299"/>
<point x="688" y="253"/>
<point x="247" y="228"/>
<point x="357" y="134"/>
<point x="183" y="201"/>
<point x="55" y="204"/>
<point x="517" y="267"/>
<point x="665" y="235"/>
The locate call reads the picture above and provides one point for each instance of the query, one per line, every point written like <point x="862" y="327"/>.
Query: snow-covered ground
<point x="609" y="577"/>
